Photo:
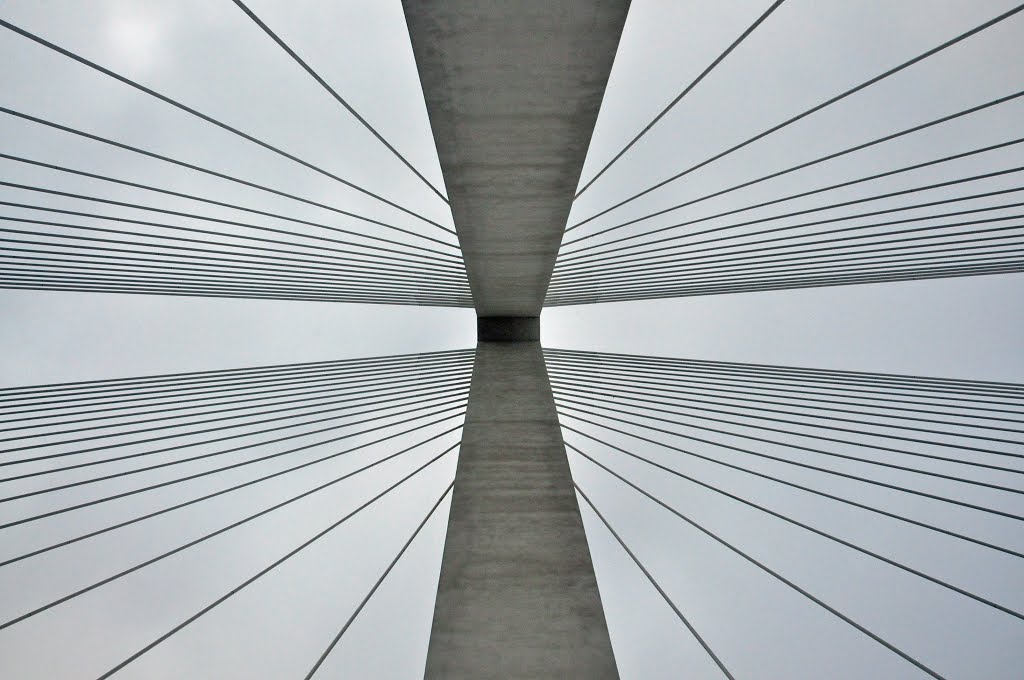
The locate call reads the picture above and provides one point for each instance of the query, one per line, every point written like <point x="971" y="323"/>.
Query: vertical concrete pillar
<point x="517" y="597"/>
<point x="513" y="90"/>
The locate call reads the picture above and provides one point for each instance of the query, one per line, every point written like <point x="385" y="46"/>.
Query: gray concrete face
<point x="517" y="597"/>
<point x="513" y="89"/>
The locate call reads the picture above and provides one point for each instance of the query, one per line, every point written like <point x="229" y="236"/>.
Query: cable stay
<point x="209" y="119"/>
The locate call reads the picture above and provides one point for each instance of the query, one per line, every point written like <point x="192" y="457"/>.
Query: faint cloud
<point x="136" y="35"/>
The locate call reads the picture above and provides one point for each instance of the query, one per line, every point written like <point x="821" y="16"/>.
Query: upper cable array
<point x="810" y="455"/>
<point x="51" y="239"/>
<point x="151" y="447"/>
<point x="647" y="128"/>
<point x="727" y="251"/>
<point x="348" y="107"/>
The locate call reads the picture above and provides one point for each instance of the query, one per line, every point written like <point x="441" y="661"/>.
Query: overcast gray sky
<point x="209" y="55"/>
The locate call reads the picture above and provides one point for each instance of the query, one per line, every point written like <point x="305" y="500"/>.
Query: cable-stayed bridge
<point x="909" y="481"/>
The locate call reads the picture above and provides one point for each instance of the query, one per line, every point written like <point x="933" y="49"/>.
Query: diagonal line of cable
<point x="247" y="225"/>
<point x="204" y="260"/>
<point x="788" y="280"/>
<point x="340" y="411"/>
<point x="591" y="373"/>
<point x="323" y="83"/>
<point x="383" y="296"/>
<point x="681" y="404"/>
<point x="566" y="264"/>
<point x="223" y="204"/>
<point x="245" y="520"/>
<point x="587" y="253"/>
<point x="854" y="278"/>
<point x="652" y="261"/>
<point x="362" y="604"/>
<point x="337" y="395"/>
<point x="794" y="485"/>
<point x="771" y="572"/>
<point x="209" y="119"/>
<point x="795" y="168"/>
<point x="573" y="404"/>
<point x="420" y="412"/>
<point x="66" y="270"/>
<point x="422" y="300"/>
<point x="647" y="128"/>
<point x="596" y="380"/>
<point x="878" y="386"/>
<point x="246" y="484"/>
<point x="891" y="380"/>
<point x="453" y="405"/>
<point x="65" y="395"/>
<point x="818" y="532"/>
<point x="674" y="266"/>
<point x="271" y="567"/>
<point x="198" y="267"/>
<point x="437" y="394"/>
<point x="457" y="377"/>
<point x="710" y="266"/>
<point x="653" y="581"/>
<point x="200" y="169"/>
<point x="362" y="363"/>
<point x="278" y="395"/>
<point x="712" y="378"/>
<point x="404" y="380"/>
<point x="789" y="121"/>
<point x="434" y="255"/>
<point x="988" y="510"/>
<point x="1005" y="248"/>
<point x="371" y="277"/>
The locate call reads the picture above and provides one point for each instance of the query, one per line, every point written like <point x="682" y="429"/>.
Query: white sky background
<point x="208" y="54"/>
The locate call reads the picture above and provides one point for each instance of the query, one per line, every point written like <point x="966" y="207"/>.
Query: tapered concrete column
<point x="517" y="596"/>
<point x="512" y="88"/>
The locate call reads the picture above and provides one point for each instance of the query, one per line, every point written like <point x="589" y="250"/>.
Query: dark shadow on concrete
<point x="507" y="328"/>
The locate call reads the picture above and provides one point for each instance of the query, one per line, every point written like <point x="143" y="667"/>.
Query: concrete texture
<point x="513" y="89"/>
<point x="517" y="597"/>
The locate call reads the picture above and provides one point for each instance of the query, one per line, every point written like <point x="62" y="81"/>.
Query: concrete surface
<point x="513" y="89"/>
<point x="517" y="597"/>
